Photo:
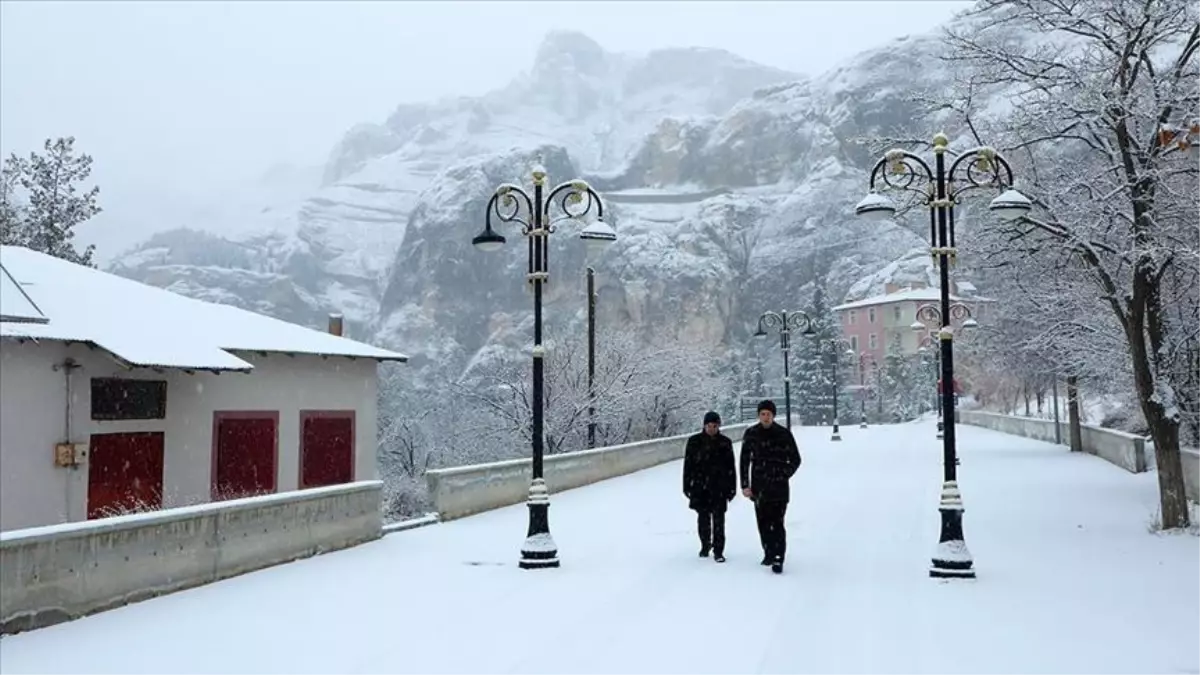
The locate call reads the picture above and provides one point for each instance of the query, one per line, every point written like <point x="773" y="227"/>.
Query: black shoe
<point x="704" y="552"/>
<point x="777" y="566"/>
<point x="719" y="558"/>
<point x="765" y="561"/>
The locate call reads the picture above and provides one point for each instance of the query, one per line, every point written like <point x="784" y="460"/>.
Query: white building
<point x="116" y="396"/>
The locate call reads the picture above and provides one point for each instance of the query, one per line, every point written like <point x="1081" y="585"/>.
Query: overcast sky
<point x="183" y="96"/>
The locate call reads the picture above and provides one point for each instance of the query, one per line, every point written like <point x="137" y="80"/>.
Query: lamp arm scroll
<point x="508" y="204"/>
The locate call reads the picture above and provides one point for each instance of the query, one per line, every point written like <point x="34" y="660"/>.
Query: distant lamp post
<point x="575" y="201"/>
<point x="591" y="347"/>
<point x="838" y="347"/>
<point x="862" y="390"/>
<point x="785" y="322"/>
<point x="940" y="188"/>
<point x="929" y="317"/>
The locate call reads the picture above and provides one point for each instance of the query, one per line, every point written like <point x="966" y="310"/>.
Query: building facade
<point x="872" y="324"/>
<point x="92" y="429"/>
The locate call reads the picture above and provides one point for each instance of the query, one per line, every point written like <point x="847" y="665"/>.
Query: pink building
<point x="871" y="324"/>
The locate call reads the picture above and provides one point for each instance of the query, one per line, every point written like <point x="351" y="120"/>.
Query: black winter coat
<point x="709" y="475"/>
<point x="769" y="459"/>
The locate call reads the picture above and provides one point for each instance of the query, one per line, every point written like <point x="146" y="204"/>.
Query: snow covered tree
<point x="12" y="208"/>
<point x="1101" y="93"/>
<point x="41" y="203"/>
<point x="906" y="382"/>
<point x="812" y="374"/>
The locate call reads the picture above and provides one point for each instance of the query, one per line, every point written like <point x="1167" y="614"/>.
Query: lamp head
<point x="917" y="326"/>
<point x="488" y="240"/>
<point x="875" y="207"/>
<point x="597" y="236"/>
<point x="1011" y="205"/>
<point x="970" y="324"/>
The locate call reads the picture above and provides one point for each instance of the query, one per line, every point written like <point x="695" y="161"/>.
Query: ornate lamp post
<point x="573" y="200"/>
<point x="928" y="318"/>
<point x="591" y="346"/>
<point x="940" y="189"/>
<point x="837" y="348"/>
<point x="786" y="322"/>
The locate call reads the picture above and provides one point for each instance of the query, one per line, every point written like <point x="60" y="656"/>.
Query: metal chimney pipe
<point x="335" y="324"/>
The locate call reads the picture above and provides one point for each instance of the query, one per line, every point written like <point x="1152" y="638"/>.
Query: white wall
<point x="62" y="572"/>
<point x="33" y="491"/>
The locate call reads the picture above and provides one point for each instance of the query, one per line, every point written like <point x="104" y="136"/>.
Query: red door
<point x="125" y="473"/>
<point x="326" y="448"/>
<point x="246" y="454"/>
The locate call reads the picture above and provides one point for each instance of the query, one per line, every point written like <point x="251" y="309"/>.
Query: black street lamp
<point x="575" y="201"/>
<point x="837" y="347"/>
<point x="878" y="372"/>
<point x="591" y="329"/>
<point x="786" y="322"/>
<point x="928" y="318"/>
<point x="940" y="189"/>
<point x="926" y="346"/>
<point x="862" y="390"/>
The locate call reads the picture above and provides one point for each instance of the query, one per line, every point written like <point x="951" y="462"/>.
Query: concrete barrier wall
<point x="62" y="572"/>
<point x="1191" y="472"/>
<point x="466" y="490"/>
<point x="1126" y="450"/>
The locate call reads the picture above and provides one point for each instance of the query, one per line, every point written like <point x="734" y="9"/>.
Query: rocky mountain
<point x="731" y="186"/>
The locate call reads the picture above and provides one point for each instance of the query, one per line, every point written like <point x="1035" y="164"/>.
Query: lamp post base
<point x="941" y="430"/>
<point x="862" y="425"/>
<point x="539" y="550"/>
<point x="952" y="560"/>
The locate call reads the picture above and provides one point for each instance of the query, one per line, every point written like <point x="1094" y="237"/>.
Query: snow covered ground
<point x="1070" y="580"/>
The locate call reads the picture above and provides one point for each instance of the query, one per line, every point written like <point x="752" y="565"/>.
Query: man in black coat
<point x="769" y="459"/>
<point x="710" y="483"/>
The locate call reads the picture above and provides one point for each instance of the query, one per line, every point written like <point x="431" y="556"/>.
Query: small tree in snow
<point x="40" y="201"/>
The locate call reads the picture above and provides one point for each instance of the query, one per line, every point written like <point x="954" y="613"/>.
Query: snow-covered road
<point x="1070" y="580"/>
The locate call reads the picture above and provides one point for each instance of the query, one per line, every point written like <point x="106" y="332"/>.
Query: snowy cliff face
<point x="731" y="186"/>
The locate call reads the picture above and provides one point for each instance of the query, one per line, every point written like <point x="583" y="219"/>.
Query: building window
<point x="245" y="453"/>
<point x="115" y="398"/>
<point x="852" y="316"/>
<point x="326" y="447"/>
<point x="871" y="315"/>
<point x="899" y="313"/>
<point x="872" y="341"/>
<point x="854" y="343"/>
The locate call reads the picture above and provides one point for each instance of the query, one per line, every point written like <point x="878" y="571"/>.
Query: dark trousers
<point x="711" y="525"/>
<point x="770" y="528"/>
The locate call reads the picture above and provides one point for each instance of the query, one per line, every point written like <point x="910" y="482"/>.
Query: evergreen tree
<point x="12" y="210"/>
<point x="907" y="383"/>
<point x="54" y="206"/>
<point x="812" y="367"/>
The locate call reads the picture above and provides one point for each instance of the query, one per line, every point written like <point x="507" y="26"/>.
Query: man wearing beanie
<point x="710" y="483"/>
<point x="769" y="459"/>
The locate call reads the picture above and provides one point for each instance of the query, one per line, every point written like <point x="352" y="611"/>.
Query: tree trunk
<point x="1164" y="430"/>
<point x="1076" y="432"/>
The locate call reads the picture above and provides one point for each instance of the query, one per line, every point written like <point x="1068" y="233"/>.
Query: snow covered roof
<point x="151" y="327"/>
<point x="15" y="303"/>
<point x="927" y="294"/>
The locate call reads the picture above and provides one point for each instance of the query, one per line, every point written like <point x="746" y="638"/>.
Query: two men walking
<point x="769" y="459"/>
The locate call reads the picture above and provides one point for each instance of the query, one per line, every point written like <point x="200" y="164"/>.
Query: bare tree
<point x="1096" y="89"/>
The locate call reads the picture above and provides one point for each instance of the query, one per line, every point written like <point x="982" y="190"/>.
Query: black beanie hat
<point x="711" y="417"/>
<point x="766" y="404"/>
